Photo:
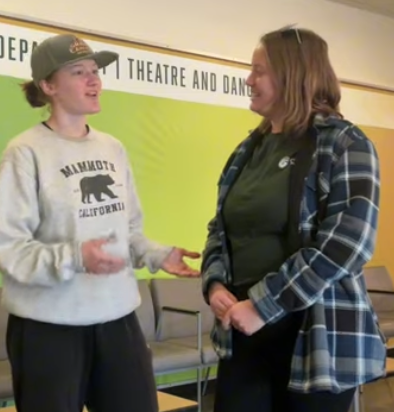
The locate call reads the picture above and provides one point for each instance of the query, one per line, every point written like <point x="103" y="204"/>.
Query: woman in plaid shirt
<point x="296" y="221"/>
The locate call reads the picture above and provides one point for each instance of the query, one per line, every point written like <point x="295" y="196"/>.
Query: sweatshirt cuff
<point x="154" y="259"/>
<point x="78" y="258"/>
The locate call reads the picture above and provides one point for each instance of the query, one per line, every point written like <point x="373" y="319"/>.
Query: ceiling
<point x="384" y="7"/>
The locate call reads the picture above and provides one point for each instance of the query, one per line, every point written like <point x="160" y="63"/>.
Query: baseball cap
<point x="58" y="51"/>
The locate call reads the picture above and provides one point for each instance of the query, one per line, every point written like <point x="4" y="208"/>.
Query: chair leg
<point x="357" y="401"/>
<point x="199" y="384"/>
<point x="204" y="390"/>
<point x="361" y="397"/>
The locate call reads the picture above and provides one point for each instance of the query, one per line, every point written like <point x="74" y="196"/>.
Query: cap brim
<point x="104" y="58"/>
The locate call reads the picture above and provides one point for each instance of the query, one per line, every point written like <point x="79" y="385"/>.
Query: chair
<point x="167" y="356"/>
<point x="185" y="320"/>
<point x="380" y="288"/>
<point x="357" y="402"/>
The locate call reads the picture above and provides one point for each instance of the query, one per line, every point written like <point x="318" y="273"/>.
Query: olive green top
<point x="256" y="210"/>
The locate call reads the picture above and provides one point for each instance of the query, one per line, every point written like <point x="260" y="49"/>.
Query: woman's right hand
<point x="220" y="300"/>
<point x="99" y="262"/>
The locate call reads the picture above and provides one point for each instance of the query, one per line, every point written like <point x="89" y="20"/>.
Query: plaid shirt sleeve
<point x="344" y="241"/>
<point x="213" y="268"/>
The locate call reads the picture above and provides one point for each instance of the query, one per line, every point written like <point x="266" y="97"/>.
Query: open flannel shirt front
<point x="334" y="205"/>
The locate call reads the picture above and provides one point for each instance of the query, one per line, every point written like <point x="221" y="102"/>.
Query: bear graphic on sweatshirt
<point x="96" y="186"/>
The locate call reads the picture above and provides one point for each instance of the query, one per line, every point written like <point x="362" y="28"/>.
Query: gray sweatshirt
<point x="57" y="192"/>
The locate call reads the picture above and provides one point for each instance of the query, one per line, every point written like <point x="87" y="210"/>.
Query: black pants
<point x="106" y="367"/>
<point x="255" y="379"/>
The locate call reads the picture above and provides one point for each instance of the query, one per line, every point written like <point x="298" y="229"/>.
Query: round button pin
<point x="284" y="162"/>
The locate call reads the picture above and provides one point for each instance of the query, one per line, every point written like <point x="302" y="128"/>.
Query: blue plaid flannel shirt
<point x="339" y="345"/>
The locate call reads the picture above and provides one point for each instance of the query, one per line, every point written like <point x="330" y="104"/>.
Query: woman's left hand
<point x="174" y="264"/>
<point x="244" y="317"/>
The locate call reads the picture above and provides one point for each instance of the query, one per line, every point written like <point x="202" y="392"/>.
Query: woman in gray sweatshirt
<point x="70" y="239"/>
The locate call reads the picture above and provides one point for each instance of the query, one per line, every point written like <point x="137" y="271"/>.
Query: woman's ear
<point x="47" y="87"/>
